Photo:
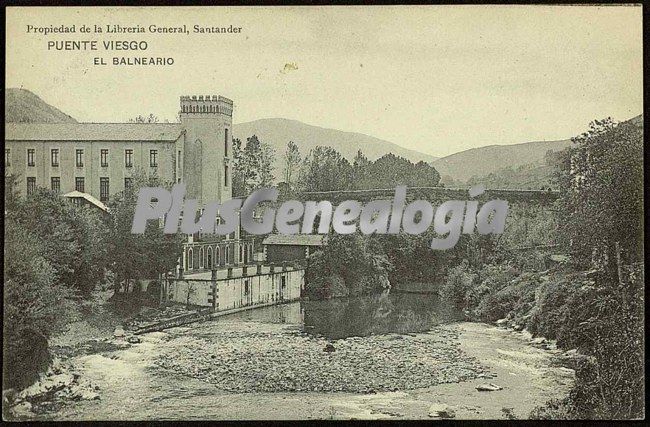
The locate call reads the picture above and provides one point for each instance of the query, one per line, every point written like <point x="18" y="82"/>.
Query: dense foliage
<point x="325" y="169"/>
<point x="601" y="178"/>
<point x="252" y="166"/>
<point x="133" y="257"/>
<point x="71" y="237"/>
<point x="595" y="303"/>
<point x="56" y="254"/>
<point x="348" y="265"/>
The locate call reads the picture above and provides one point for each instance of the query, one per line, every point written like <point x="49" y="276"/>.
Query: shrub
<point x="459" y="284"/>
<point x="515" y="299"/>
<point x="605" y="321"/>
<point x="355" y="259"/>
<point x="36" y="306"/>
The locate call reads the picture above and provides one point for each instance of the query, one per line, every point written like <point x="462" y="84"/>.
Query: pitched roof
<point x="92" y="131"/>
<point x="295" y="239"/>
<point x="90" y="199"/>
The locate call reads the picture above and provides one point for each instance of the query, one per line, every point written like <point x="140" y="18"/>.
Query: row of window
<point x="79" y="157"/>
<point x="206" y="260"/>
<point x="79" y="185"/>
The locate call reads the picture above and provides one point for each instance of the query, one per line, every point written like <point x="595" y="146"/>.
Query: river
<point x="389" y="351"/>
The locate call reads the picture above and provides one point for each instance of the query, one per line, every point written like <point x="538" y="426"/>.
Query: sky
<point x="437" y="79"/>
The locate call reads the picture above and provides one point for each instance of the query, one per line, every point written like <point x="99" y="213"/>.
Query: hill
<point x="459" y="167"/>
<point x="533" y="175"/>
<point x="485" y="160"/>
<point x="22" y="106"/>
<point x="278" y="132"/>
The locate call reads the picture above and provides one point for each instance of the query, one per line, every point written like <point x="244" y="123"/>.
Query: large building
<point x="99" y="159"/>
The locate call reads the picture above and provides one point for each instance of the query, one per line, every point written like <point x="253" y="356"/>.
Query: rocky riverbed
<point x="253" y="357"/>
<point x="238" y="369"/>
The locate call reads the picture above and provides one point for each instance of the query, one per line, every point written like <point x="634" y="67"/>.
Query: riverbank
<point x="143" y="380"/>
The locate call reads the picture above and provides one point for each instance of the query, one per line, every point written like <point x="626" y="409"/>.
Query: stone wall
<point x="236" y="292"/>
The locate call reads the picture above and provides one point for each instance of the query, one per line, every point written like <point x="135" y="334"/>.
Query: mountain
<point x="533" y="175"/>
<point x="485" y="160"/>
<point x="22" y="106"/>
<point x="278" y="132"/>
<point x="457" y="168"/>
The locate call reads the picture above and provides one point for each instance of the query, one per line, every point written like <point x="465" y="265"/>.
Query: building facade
<point x="100" y="160"/>
<point x="293" y="247"/>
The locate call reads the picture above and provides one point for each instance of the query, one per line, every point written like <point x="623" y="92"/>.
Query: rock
<point x="89" y="395"/>
<point x="23" y="409"/>
<point x="119" y="332"/>
<point x="9" y="396"/>
<point x="134" y="340"/>
<point x="57" y="382"/>
<point x="440" y="410"/>
<point x="488" y="387"/>
<point x="33" y="390"/>
<point x="502" y="322"/>
<point x="329" y="348"/>
<point x="83" y="392"/>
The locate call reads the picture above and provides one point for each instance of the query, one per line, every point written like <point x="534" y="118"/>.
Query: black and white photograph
<point x="370" y="212"/>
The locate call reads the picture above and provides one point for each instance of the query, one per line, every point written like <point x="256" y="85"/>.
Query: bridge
<point x="436" y="195"/>
<point x="529" y="209"/>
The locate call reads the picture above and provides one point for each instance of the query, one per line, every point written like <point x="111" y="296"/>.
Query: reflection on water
<point x="133" y="386"/>
<point x="358" y="316"/>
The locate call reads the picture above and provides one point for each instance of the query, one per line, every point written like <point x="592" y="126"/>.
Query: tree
<point x="36" y="305"/>
<point x="601" y="181"/>
<point x="390" y="170"/>
<point x="138" y="256"/>
<point x="252" y="166"/>
<point x="354" y="261"/>
<point x="325" y="169"/>
<point x="360" y="170"/>
<point x="151" y="118"/>
<point x="12" y="197"/>
<point x="72" y="237"/>
<point x="292" y="160"/>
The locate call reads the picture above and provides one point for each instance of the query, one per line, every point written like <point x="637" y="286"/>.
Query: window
<point x="225" y="175"/>
<point x="103" y="189"/>
<point x="153" y="158"/>
<point x="128" y="158"/>
<point x="201" y="255"/>
<point x="180" y="167"/>
<point x="246" y="287"/>
<point x="31" y="184"/>
<point x="128" y="184"/>
<point x="30" y="157"/>
<point x="80" y="158"/>
<point x="79" y="184"/>
<point x="55" y="157"/>
<point x="225" y="144"/>
<point x="7" y="157"/>
<point x="56" y="183"/>
<point x="103" y="157"/>
<point x="190" y="259"/>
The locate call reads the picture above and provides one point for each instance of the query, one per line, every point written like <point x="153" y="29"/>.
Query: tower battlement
<point x="206" y="104"/>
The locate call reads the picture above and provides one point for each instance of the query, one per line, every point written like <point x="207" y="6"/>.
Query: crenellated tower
<point x="207" y="123"/>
